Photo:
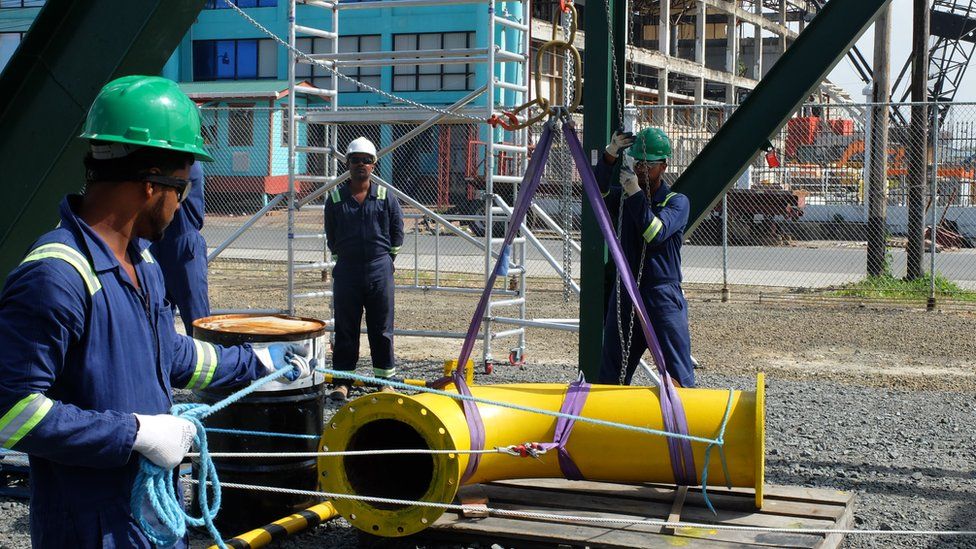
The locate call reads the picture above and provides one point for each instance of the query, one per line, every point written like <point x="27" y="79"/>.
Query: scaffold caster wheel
<point x="516" y="358"/>
<point x="489" y="367"/>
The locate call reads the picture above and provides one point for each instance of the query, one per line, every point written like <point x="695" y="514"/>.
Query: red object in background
<point x="771" y="159"/>
<point x="842" y="126"/>
<point x="800" y="131"/>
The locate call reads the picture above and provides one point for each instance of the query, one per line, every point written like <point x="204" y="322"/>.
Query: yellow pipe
<point x="282" y="528"/>
<point x="602" y="453"/>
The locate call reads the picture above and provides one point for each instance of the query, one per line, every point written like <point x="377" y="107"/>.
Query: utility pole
<point x="917" y="161"/>
<point x="878" y="175"/>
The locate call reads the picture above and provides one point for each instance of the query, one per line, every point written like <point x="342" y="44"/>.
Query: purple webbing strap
<point x="572" y="404"/>
<point x="533" y="175"/>
<point x="476" y="427"/>
<point x="672" y="411"/>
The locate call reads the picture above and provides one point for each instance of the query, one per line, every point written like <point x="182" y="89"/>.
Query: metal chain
<point x="367" y="87"/>
<point x="626" y="343"/>
<point x="566" y="168"/>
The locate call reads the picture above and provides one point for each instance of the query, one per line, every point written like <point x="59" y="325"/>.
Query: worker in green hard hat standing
<point x="90" y="348"/>
<point x="651" y="221"/>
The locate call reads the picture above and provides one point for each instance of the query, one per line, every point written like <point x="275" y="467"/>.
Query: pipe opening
<point x="395" y="476"/>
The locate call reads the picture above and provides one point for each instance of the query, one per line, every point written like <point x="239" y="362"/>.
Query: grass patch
<point x="889" y="287"/>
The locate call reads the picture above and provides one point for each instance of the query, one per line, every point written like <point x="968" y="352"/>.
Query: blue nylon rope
<point x="154" y="485"/>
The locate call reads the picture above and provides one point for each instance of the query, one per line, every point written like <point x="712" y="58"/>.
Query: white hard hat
<point x="361" y="145"/>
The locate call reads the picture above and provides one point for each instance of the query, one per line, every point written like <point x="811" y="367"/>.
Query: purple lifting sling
<point x="682" y="460"/>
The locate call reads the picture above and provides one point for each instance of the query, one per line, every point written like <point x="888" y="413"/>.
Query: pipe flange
<point x="377" y="518"/>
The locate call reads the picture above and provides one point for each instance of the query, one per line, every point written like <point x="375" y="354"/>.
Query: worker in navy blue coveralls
<point x="652" y="223"/>
<point x="182" y="255"/>
<point x="364" y="232"/>
<point x="90" y="350"/>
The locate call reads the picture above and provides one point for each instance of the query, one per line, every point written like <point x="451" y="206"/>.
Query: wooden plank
<point x="720" y="497"/>
<point x="539" y="501"/>
<point x="834" y="541"/>
<point x="475" y="499"/>
<point x="564" y="533"/>
<point x="679" y="502"/>
<point x="608" y="504"/>
<point x="562" y="501"/>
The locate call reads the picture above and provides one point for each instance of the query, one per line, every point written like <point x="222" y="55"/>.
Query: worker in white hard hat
<point x="364" y="232"/>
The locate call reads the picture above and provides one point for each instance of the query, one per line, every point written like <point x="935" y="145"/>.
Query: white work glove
<point x="164" y="439"/>
<point x="618" y="142"/>
<point x="282" y="355"/>
<point x="628" y="180"/>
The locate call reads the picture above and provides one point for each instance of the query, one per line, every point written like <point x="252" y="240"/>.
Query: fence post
<point x="725" y="248"/>
<point x="934" y="204"/>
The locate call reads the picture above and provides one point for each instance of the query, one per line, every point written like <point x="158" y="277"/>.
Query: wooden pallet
<point x="784" y="507"/>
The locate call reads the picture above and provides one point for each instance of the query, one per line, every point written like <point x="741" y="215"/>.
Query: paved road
<point x="797" y="266"/>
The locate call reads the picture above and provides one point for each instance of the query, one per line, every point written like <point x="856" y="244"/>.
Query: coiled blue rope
<point x="155" y="485"/>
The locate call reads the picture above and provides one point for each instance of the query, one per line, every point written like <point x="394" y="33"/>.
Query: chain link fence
<point x="799" y="219"/>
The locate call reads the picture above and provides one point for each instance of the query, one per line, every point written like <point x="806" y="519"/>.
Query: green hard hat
<point x="146" y="111"/>
<point x="651" y="144"/>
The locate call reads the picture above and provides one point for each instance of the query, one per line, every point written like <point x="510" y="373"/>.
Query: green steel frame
<point x="790" y="81"/>
<point x="598" y="119"/>
<point x="766" y="110"/>
<point x="72" y="49"/>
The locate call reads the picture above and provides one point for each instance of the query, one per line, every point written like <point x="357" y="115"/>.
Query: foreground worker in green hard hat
<point x="90" y="348"/>
<point x="651" y="221"/>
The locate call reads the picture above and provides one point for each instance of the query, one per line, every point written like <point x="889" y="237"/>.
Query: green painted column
<point x="599" y="116"/>
<point x="824" y="42"/>
<point x="73" y="48"/>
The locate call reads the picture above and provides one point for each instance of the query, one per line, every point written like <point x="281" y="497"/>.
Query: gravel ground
<point x="872" y="399"/>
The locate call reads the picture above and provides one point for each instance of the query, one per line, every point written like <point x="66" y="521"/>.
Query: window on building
<point x="322" y="78"/>
<point x="241" y="126"/>
<point x="285" y="128"/>
<point x="8" y="45"/>
<point x="234" y="59"/>
<point x="21" y="3"/>
<point x="222" y="5"/>
<point x="433" y="77"/>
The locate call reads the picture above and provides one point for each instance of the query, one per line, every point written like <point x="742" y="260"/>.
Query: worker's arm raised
<point x="655" y="229"/>
<point x="42" y="313"/>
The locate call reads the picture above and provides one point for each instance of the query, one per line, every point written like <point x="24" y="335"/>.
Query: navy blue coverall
<point x="364" y="240"/>
<point x="658" y="225"/>
<point x="182" y="254"/>
<point x="83" y="350"/>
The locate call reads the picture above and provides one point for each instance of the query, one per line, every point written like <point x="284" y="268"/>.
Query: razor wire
<point x="591" y="519"/>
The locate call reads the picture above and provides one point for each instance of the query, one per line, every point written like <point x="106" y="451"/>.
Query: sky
<point x="846" y="77"/>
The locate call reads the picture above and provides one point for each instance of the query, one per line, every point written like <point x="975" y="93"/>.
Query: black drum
<point x="295" y="408"/>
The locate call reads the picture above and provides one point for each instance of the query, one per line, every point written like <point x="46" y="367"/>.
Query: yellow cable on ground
<point x="281" y="529"/>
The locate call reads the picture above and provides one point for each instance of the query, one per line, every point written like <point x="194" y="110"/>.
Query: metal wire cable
<point x="337" y="73"/>
<point x="593" y="519"/>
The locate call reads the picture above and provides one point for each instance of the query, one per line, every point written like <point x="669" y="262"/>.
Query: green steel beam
<point x="791" y="80"/>
<point x="72" y="49"/>
<point x="599" y="116"/>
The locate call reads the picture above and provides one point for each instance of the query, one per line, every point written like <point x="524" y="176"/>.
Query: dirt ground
<point x="872" y="344"/>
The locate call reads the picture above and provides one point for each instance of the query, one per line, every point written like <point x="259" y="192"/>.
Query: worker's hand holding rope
<point x="163" y="439"/>
<point x="279" y="356"/>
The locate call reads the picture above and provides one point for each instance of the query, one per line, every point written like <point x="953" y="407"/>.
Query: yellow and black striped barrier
<point x="281" y="529"/>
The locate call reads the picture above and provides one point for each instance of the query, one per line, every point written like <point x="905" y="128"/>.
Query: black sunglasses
<point x="360" y="160"/>
<point x="182" y="186"/>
